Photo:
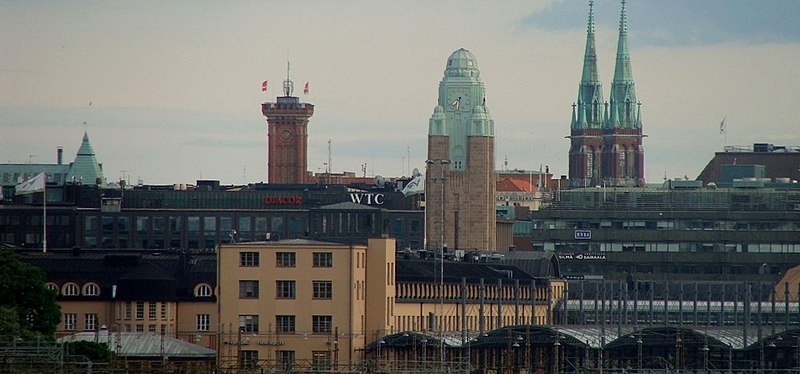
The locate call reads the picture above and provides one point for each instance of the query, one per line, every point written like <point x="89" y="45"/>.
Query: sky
<point x="175" y="87"/>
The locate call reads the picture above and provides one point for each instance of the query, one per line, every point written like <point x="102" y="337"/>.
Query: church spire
<point x="590" y="92"/>
<point x="624" y="106"/>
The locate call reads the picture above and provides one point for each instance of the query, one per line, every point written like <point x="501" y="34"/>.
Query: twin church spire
<point x="591" y="111"/>
<point x="606" y="136"/>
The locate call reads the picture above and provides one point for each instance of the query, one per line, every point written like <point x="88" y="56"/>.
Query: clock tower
<point x="460" y="177"/>
<point x="287" y="138"/>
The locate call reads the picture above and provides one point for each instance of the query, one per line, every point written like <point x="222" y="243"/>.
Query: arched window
<point x="202" y="290"/>
<point x="70" y="289"/>
<point x="91" y="289"/>
<point x="52" y="286"/>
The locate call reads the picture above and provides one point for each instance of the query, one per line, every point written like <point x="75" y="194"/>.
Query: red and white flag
<point x="305" y="89"/>
<point x="264" y="86"/>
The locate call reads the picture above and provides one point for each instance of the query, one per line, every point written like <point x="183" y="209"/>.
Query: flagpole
<point x="44" y="222"/>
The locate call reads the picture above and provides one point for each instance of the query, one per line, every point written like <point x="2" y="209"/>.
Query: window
<point x="285" y="360"/>
<point x="140" y="310"/>
<point x="285" y="289"/>
<point x="128" y="310"/>
<point x="70" y="289"/>
<point x="52" y="287"/>
<point x="203" y="290"/>
<point x="203" y="322"/>
<point x="321" y="360"/>
<point x="248" y="289"/>
<point x="248" y="258"/>
<point x="285" y="259"/>
<point x="323" y="289"/>
<point x="248" y="358"/>
<point x="140" y="328"/>
<point x="323" y="259"/>
<point x="248" y="323"/>
<point x="151" y="328"/>
<point x="164" y="311"/>
<point x="91" y="289"/>
<point x="90" y="322"/>
<point x="151" y="310"/>
<point x="70" y="320"/>
<point x="285" y="323"/>
<point x="321" y="324"/>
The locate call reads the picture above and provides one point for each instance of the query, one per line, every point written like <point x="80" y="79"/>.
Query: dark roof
<point x="539" y="264"/>
<point x="347" y="205"/>
<point x="415" y="270"/>
<point x="128" y="275"/>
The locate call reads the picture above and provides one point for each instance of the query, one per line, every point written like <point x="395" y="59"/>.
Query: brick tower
<point x="287" y="138"/>
<point x="460" y="177"/>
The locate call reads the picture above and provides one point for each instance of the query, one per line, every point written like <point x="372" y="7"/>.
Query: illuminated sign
<point x="283" y="200"/>
<point x="583" y="234"/>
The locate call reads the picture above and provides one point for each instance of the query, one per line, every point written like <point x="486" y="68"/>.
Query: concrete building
<point x="672" y="234"/>
<point x="606" y="137"/>
<point x="460" y="178"/>
<point x="764" y="162"/>
<point x="316" y="305"/>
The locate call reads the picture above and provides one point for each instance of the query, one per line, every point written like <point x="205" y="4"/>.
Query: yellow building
<point x="312" y="305"/>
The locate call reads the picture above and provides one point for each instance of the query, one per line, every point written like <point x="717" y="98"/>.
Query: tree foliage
<point x="27" y="307"/>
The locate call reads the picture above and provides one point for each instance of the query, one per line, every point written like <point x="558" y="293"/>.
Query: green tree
<point x="28" y="309"/>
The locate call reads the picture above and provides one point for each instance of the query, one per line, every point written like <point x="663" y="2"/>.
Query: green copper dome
<point x="462" y="63"/>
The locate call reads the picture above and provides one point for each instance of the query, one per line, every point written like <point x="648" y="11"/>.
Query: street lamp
<point x="380" y="343"/>
<point x="442" y="165"/>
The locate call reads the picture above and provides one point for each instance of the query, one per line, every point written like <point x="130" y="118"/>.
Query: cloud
<point x="680" y="22"/>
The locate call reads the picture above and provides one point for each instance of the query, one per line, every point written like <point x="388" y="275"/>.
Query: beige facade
<point x="293" y="301"/>
<point x="271" y="304"/>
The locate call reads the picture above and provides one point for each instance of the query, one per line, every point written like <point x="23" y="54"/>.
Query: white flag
<point x="415" y="187"/>
<point x="32" y="185"/>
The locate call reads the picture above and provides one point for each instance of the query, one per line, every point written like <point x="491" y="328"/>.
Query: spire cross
<point x="623" y="20"/>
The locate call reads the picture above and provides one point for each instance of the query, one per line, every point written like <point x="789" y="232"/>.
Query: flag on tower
<point x="264" y="86"/>
<point x="305" y="89"/>
<point x="32" y="185"/>
<point x="722" y="126"/>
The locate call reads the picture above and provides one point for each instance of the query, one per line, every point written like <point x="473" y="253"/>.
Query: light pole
<point x="442" y="165"/>
<point x="639" y="343"/>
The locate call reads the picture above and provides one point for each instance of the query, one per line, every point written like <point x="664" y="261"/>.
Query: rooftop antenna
<point x="408" y="157"/>
<point x="330" y="164"/>
<point x="288" y="85"/>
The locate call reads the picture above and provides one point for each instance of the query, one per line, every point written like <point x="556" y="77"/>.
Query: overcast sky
<point x="175" y="86"/>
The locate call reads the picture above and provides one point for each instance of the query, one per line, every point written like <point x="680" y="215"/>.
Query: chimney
<point x="60" y="155"/>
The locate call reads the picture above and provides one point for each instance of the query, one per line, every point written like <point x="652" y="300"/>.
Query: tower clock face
<point x="458" y="99"/>
<point x="286" y="135"/>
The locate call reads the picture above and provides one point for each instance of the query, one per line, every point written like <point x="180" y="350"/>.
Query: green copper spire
<point x="590" y="92"/>
<point x="85" y="168"/>
<point x="624" y="106"/>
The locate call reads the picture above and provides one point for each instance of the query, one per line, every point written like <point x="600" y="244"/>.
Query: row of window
<point x="320" y="324"/>
<point x="670" y="247"/>
<point x="558" y="224"/>
<point x="320" y="360"/>
<point x="286" y="259"/>
<point x="71" y="321"/>
<point x="136" y="310"/>
<point x="286" y="289"/>
<point x="72" y="289"/>
<point x="92" y="289"/>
